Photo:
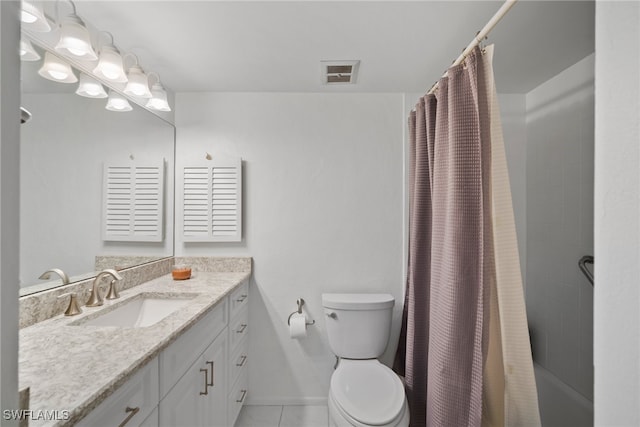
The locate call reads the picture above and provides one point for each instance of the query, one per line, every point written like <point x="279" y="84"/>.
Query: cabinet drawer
<point x="238" y="361"/>
<point x="176" y="359"/>
<point x="239" y="298"/>
<point x="237" y="397"/>
<point x="238" y="328"/>
<point x="132" y="402"/>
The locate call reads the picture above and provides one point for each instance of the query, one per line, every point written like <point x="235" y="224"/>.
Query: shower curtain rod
<point x="482" y="34"/>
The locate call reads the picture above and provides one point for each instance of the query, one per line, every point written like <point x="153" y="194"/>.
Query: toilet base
<point x="338" y="419"/>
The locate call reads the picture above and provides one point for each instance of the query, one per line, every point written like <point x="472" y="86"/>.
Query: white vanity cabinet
<point x="131" y="404"/>
<point x="203" y="374"/>
<point x="200" y="379"/>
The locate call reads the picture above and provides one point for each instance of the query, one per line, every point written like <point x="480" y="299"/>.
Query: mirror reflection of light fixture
<point x="138" y="84"/>
<point x="74" y="36"/>
<point x="90" y="87"/>
<point x="33" y="18"/>
<point x="56" y="69"/>
<point x="117" y="102"/>
<point x="158" y="100"/>
<point x="110" y="65"/>
<point x="27" y="52"/>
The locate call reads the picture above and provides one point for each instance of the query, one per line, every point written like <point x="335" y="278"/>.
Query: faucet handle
<point x="113" y="290"/>
<point x="73" y="307"/>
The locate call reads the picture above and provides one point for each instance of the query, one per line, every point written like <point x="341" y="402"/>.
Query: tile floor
<point x="283" y="416"/>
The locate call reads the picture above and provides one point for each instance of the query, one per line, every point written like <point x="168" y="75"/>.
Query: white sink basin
<point x="138" y="312"/>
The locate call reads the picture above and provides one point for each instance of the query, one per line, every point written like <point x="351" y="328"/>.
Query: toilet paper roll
<point x="298" y="325"/>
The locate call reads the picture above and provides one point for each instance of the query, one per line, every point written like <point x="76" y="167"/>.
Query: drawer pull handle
<point x="242" y="328"/>
<point x="132" y="412"/>
<point x="244" y="393"/>
<point x="242" y="298"/>
<point x="206" y="382"/>
<point x="210" y="363"/>
<point x="243" y="359"/>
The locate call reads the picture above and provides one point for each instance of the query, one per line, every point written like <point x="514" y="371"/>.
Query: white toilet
<point x="363" y="391"/>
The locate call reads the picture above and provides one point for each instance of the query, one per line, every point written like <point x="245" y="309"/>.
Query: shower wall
<point x="559" y="224"/>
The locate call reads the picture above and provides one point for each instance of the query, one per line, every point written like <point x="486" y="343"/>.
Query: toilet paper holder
<point x="300" y="303"/>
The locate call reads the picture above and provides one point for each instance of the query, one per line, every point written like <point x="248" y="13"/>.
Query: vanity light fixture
<point x="56" y="70"/>
<point x="74" y="36"/>
<point x="32" y="17"/>
<point x="158" y="100"/>
<point x="72" y="41"/>
<point x="27" y="52"/>
<point x="90" y="87"/>
<point x="117" y="102"/>
<point x="110" y="65"/>
<point x="138" y="84"/>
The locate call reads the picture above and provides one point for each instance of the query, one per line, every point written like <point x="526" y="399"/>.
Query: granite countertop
<point x="74" y="368"/>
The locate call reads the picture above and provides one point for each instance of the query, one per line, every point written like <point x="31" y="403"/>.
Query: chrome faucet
<point x="96" y="298"/>
<point x="47" y="274"/>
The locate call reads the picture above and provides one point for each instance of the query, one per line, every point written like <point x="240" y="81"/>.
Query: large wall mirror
<point x="65" y="147"/>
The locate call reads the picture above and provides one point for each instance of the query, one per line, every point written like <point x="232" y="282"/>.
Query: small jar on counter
<point x="181" y="272"/>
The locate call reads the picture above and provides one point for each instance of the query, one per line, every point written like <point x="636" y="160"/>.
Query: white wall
<point x="323" y="212"/>
<point x="61" y="197"/>
<point x="560" y="223"/>
<point x="9" y="203"/>
<point x="617" y="214"/>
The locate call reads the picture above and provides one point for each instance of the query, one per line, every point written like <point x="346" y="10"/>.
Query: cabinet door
<point x="183" y="352"/>
<point x="215" y="404"/>
<point x="199" y="398"/>
<point x="182" y="406"/>
<point x="130" y="404"/>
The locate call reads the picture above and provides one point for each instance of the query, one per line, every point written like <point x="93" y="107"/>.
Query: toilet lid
<point x="368" y="391"/>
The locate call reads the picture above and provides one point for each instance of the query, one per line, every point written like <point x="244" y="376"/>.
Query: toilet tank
<point x="358" y="325"/>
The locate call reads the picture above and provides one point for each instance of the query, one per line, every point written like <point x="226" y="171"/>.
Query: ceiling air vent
<point x="339" y="72"/>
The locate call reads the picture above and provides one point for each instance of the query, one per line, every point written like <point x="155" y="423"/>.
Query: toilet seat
<point x="367" y="392"/>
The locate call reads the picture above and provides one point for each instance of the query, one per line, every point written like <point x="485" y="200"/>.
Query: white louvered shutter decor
<point x="133" y="203"/>
<point x="212" y="201"/>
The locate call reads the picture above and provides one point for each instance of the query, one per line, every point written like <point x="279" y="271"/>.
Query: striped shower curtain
<point x="464" y="349"/>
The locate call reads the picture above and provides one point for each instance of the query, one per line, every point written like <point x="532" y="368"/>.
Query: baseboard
<point x="281" y="401"/>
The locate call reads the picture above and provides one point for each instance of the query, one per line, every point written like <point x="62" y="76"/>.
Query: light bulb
<point x="75" y="39"/>
<point x="110" y="65"/>
<point x="90" y="87"/>
<point x="138" y="84"/>
<point x="53" y="68"/>
<point x="27" y="52"/>
<point x="32" y="17"/>
<point x="58" y="75"/>
<point x="158" y="100"/>
<point x="117" y="103"/>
